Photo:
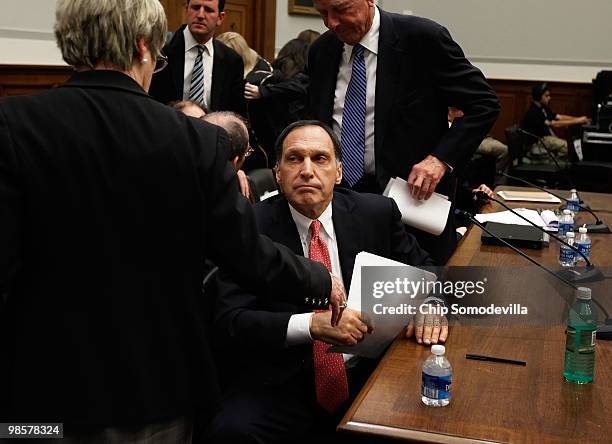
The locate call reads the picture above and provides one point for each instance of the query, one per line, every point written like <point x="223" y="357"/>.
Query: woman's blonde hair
<point x="239" y="44"/>
<point x="92" y="31"/>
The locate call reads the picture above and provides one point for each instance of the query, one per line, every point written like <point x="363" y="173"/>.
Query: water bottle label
<point x="564" y="228"/>
<point x="566" y="254"/>
<point x="436" y="387"/>
<point x="585" y="249"/>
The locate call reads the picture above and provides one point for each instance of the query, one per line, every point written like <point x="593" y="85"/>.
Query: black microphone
<point x="550" y="154"/>
<point x="598" y="227"/>
<point x="604" y="330"/>
<point x="577" y="274"/>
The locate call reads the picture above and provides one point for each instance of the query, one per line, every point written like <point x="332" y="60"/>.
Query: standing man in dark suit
<point x="282" y="395"/>
<point x="200" y="68"/>
<point x="384" y="83"/>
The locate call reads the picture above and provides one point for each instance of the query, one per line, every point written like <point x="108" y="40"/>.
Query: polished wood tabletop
<point x="495" y="402"/>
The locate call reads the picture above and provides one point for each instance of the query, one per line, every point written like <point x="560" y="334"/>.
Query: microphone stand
<point x="577" y="274"/>
<point x="598" y="227"/>
<point x="550" y="154"/>
<point x="604" y="330"/>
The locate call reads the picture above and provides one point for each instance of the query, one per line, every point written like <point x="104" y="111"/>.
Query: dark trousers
<point x="288" y="412"/>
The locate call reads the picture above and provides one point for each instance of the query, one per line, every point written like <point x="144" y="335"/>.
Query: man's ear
<point x="339" y="173"/>
<point x="277" y="173"/>
<point x="221" y="18"/>
<point x="143" y="49"/>
<point x="235" y="161"/>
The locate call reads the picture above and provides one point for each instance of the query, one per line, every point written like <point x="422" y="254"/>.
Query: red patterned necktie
<point x="331" y="383"/>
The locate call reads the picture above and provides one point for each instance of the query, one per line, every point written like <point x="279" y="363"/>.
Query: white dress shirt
<point x="298" y="329"/>
<point x="370" y="43"/>
<point x="191" y="52"/>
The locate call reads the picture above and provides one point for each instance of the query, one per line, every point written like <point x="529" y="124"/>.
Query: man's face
<point x="307" y="170"/>
<point x="203" y="18"/>
<point x="545" y="100"/>
<point x="350" y="20"/>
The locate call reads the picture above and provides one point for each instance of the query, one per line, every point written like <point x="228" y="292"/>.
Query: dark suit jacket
<point x="227" y="93"/>
<point x="109" y="204"/>
<point x="253" y="329"/>
<point x="420" y="72"/>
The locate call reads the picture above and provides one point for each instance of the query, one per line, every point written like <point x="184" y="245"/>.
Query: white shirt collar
<point x="303" y="222"/>
<point x="191" y="43"/>
<point x="368" y="41"/>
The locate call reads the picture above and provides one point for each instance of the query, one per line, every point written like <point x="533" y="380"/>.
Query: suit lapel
<point x="349" y="235"/>
<point x="387" y="78"/>
<point x="218" y="74"/>
<point x="176" y="56"/>
<point x="283" y="229"/>
<point x="330" y="63"/>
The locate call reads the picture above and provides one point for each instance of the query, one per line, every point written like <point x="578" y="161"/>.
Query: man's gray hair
<point x="236" y="128"/>
<point x="92" y="31"/>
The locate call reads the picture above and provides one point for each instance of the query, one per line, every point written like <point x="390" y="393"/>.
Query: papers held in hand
<point x="428" y="215"/>
<point x="386" y="327"/>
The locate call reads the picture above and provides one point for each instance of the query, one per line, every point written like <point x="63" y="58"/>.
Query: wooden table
<point x="494" y="402"/>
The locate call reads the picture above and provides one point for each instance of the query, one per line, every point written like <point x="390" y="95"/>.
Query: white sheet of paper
<point x="386" y="328"/>
<point x="528" y="196"/>
<point x="507" y="217"/>
<point x="428" y="215"/>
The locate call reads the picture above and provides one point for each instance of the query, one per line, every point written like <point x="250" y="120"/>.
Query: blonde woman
<point x="256" y="68"/>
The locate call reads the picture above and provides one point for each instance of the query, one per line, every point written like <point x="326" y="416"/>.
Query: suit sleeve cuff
<point x="298" y="329"/>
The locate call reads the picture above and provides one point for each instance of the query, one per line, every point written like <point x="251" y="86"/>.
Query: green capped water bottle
<point x="580" y="339"/>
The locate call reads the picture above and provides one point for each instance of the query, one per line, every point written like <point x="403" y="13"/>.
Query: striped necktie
<point x="196" y="90"/>
<point x="352" y="133"/>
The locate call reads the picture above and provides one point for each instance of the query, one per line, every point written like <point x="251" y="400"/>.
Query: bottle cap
<point x="573" y="190"/>
<point x="570" y="234"/>
<point x="438" y="349"/>
<point x="567" y="212"/>
<point x="583" y="293"/>
<point x="582" y="230"/>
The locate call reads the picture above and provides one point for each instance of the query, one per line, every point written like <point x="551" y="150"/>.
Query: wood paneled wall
<point x="514" y="95"/>
<point x="574" y="99"/>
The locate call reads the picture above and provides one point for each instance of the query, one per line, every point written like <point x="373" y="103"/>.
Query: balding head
<point x="235" y="127"/>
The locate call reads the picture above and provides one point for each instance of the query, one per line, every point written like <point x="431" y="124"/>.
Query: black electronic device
<point x="604" y="329"/>
<point x="521" y="236"/>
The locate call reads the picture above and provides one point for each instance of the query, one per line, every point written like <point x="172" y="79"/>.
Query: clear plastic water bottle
<point x="573" y="201"/>
<point x="567" y="256"/>
<point x="437" y="378"/>
<point x="580" y="339"/>
<point x="566" y="223"/>
<point x="583" y="243"/>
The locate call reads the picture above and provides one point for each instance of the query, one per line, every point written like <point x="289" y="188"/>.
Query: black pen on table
<point x="494" y="359"/>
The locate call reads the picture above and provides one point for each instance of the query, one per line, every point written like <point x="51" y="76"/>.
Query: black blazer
<point x="109" y="205"/>
<point x="254" y="329"/>
<point x="227" y="93"/>
<point x="420" y="72"/>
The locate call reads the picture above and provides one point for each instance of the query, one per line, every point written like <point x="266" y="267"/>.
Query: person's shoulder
<point x="369" y="203"/>
<point x="411" y="25"/>
<point x="324" y="41"/>
<point x="266" y="210"/>
<point x="224" y="51"/>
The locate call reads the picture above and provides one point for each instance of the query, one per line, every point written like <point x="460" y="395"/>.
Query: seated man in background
<point x="540" y="120"/>
<point x="293" y="388"/>
<point x="236" y="128"/>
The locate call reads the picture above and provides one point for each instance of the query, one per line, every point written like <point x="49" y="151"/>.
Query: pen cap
<point x="439" y="350"/>
<point x="583" y="293"/>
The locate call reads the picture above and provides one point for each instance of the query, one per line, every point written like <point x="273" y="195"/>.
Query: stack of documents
<point x="546" y="219"/>
<point x="528" y="196"/>
<point x="428" y="215"/>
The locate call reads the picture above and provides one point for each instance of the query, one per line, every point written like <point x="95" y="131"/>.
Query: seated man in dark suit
<point x="292" y="387"/>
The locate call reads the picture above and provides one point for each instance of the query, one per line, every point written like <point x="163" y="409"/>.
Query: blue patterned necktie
<point x="196" y="90"/>
<point x="352" y="133"/>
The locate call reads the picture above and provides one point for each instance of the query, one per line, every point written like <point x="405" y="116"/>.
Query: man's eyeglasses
<point x="249" y="151"/>
<point x="161" y="62"/>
